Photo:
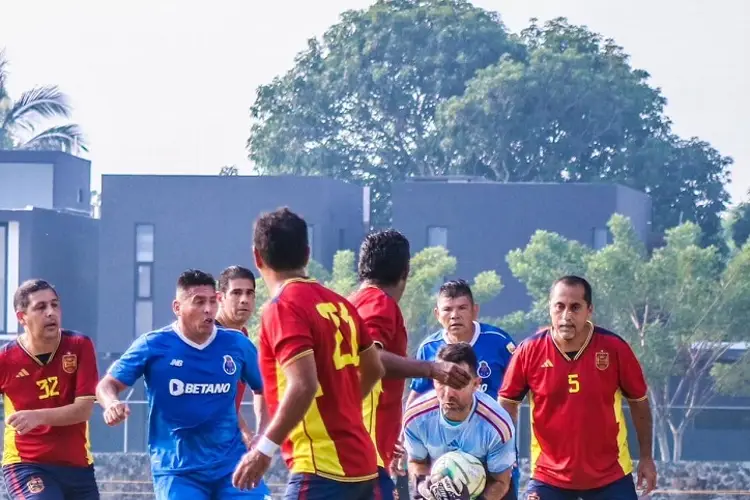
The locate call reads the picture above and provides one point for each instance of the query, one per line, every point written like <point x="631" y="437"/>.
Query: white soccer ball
<point x="466" y="471"/>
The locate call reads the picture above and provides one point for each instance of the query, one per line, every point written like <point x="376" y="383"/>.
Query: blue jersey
<point x="487" y="434"/>
<point x="492" y="346"/>
<point x="193" y="425"/>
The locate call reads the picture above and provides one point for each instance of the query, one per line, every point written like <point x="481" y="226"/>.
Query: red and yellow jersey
<point x="29" y="384"/>
<point x="305" y="318"/>
<point x="579" y="434"/>
<point x="382" y="409"/>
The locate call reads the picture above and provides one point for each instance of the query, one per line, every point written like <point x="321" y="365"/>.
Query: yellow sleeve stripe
<point x="510" y="400"/>
<point x="499" y="423"/>
<point x="296" y="357"/>
<point x="86" y="398"/>
<point x="638" y="400"/>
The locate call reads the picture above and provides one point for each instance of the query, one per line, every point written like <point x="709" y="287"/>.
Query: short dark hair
<point x="384" y="257"/>
<point x="21" y="297"/>
<point x="194" y="277"/>
<point x="460" y="352"/>
<point x="456" y="288"/>
<point x="281" y="240"/>
<point x="572" y="280"/>
<point x="234" y="273"/>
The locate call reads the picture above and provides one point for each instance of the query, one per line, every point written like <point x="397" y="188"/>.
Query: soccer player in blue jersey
<point x="191" y="369"/>
<point x="467" y="420"/>
<point x="457" y="313"/>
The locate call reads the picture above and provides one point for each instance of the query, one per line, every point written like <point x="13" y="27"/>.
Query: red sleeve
<point x="288" y="332"/>
<point x="632" y="382"/>
<point x="515" y="382"/>
<point x="364" y="340"/>
<point x="87" y="375"/>
<point x="379" y="323"/>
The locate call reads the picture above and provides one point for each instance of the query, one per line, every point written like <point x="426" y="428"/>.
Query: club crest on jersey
<point x="69" y="363"/>
<point x="35" y="485"/>
<point x="484" y="370"/>
<point x="602" y="360"/>
<point x="511" y="347"/>
<point x="533" y="496"/>
<point x="230" y="367"/>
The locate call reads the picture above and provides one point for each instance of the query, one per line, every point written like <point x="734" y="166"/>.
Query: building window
<point x="3" y="273"/>
<point x="144" y="317"/>
<point x="601" y="238"/>
<point x="144" y="269"/>
<point x="437" y="237"/>
<point x="144" y="243"/>
<point x="144" y="281"/>
<point x="311" y="239"/>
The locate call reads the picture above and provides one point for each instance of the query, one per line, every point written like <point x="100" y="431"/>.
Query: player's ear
<point x="258" y="259"/>
<point x="21" y="317"/>
<point x="176" y="307"/>
<point x="437" y="314"/>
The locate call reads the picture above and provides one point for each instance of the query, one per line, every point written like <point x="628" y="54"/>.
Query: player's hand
<point x="646" y="475"/>
<point x="450" y="374"/>
<point x="250" y="470"/>
<point x="249" y="439"/>
<point x="116" y="413"/>
<point x="25" y="421"/>
<point x="397" y="467"/>
<point x="442" y="489"/>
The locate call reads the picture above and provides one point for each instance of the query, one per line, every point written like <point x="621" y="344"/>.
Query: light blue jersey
<point x="194" y="437"/>
<point x="487" y="434"/>
<point x="492" y="346"/>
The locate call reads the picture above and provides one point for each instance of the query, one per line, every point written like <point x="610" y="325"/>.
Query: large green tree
<point x="680" y="308"/>
<point x="427" y="270"/>
<point x="434" y="87"/>
<point x="739" y="223"/>
<point x="37" y="119"/>
<point x="576" y="111"/>
<point x="359" y="104"/>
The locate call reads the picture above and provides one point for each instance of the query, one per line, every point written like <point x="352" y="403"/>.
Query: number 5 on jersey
<point x="573" y="384"/>
<point x="340" y="316"/>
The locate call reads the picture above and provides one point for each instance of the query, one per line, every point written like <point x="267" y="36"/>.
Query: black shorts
<point x="622" y="489"/>
<point x="50" y="482"/>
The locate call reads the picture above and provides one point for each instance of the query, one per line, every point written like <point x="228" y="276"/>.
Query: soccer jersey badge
<point x="602" y="360"/>
<point x="484" y="370"/>
<point x="35" y="485"/>
<point x="230" y="367"/>
<point x="69" y="363"/>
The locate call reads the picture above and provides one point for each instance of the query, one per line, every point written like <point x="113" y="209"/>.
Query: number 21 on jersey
<point x="341" y="318"/>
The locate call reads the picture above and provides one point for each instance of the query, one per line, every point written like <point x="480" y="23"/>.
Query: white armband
<point x="266" y="446"/>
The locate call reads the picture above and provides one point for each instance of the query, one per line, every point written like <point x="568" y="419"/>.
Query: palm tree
<point x="29" y="122"/>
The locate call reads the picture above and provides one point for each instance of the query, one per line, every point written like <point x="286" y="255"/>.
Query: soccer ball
<point x="463" y="469"/>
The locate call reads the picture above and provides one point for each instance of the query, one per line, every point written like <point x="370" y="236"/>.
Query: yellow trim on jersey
<point x="536" y="448"/>
<point x="515" y="402"/>
<point x="10" y="451"/>
<point x="33" y="356"/>
<point x="89" y="455"/>
<point x="86" y="398"/>
<point x="623" y="457"/>
<point x="505" y="430"/>
<point x="296" y="357"/>
<point x="420" y="407"/>
<point x="370" y="416"/>
<point x="638" y="400"/>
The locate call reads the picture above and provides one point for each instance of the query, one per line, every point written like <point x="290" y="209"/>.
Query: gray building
<point x="153" y="227"/>
<point x="480" y="221"/>
<point x="45" y="232"/>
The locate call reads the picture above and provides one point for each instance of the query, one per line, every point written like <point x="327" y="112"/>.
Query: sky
<point x="164" y="86"/>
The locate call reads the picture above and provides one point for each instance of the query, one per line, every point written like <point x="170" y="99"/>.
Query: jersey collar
<point x="189" y="342"/>
<point x="477" y="331"/>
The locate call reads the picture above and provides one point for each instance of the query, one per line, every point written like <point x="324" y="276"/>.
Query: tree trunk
<point x="662" y="434"/>
<point x="677" y="436"/>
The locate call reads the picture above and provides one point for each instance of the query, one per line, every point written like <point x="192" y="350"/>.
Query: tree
<point x="359" y="104"/>
<point x="739" y="223"/>
<point x="427" y="269"/>
<point x="33" y="121"/>
<point x="576" y="111"/>
<point x="229" y="171"/>
<point x="680" y="308"/>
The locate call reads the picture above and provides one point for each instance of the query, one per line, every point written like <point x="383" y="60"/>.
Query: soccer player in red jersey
<point x="383" y="270"/>
<point x="48" y="380"/>
<point x="236" y="305"/>
<point x="317" y="363"/>
<point x="577" y="375"/>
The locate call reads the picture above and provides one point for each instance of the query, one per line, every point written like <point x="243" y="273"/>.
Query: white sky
<point x="164" y="86"/>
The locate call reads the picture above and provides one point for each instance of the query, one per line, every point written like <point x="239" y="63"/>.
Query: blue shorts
<point x="312" y="487"/>
<point x="50" y="482"/>
<point x="622" y="489"/>
<point x="187" y="487"/>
